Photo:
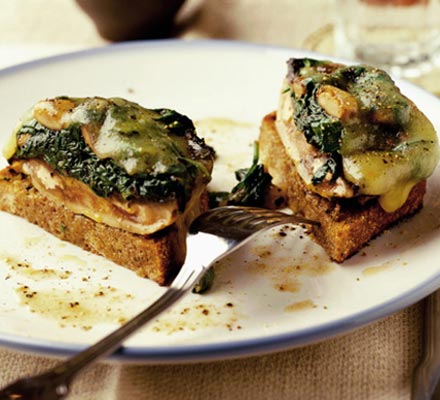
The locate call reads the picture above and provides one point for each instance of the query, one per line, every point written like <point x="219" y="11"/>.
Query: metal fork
<point x="213" y="235"/>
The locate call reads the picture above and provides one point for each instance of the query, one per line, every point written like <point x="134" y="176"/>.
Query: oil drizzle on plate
<point x="375" y="269"/>
<point x="300" y="258"/>
<point x="89" y="303"/>
<point x="76" y="308"/>
<point x="300" y="306"/>
<point x="198" y="316"/>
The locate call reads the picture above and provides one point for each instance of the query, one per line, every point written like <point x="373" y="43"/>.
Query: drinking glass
<point x="401" y="36"/>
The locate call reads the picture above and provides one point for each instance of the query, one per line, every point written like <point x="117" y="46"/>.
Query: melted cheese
<point x="390" y="174"/>
<point x="395" y="198"/>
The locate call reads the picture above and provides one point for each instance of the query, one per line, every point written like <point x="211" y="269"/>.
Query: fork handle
<point x="111" y="342"/>
<point x="57" y="379"/>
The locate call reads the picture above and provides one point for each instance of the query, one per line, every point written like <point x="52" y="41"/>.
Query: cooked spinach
<point x="205" y="282"/>
<point x="66" y="151"/>
<point x="253" y="183"/>
<point x="320" y="129"/>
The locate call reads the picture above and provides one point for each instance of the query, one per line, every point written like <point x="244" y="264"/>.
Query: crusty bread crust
<point x="158" y="256"/>
<point x="346" y="225"/>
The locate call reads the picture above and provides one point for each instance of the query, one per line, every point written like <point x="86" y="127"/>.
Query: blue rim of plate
<point x="230" y="349"/>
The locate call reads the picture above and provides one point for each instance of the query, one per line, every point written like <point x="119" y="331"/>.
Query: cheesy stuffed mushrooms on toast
<point x="110" y="176"/>
<point x="349" y="150"/>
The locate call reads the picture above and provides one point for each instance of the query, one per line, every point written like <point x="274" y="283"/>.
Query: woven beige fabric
<point x="373" y="362"/>
<point x="98" y="382"/>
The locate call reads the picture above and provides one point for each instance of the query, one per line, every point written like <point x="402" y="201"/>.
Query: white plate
<point x="279" y="293"/>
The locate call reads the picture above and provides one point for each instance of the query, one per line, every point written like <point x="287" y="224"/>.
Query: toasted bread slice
<point x="157" y="256"/>
<point x="346" y="225"/>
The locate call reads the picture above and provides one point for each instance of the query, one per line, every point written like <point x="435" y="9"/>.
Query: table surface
<point x="373" y="362"/>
